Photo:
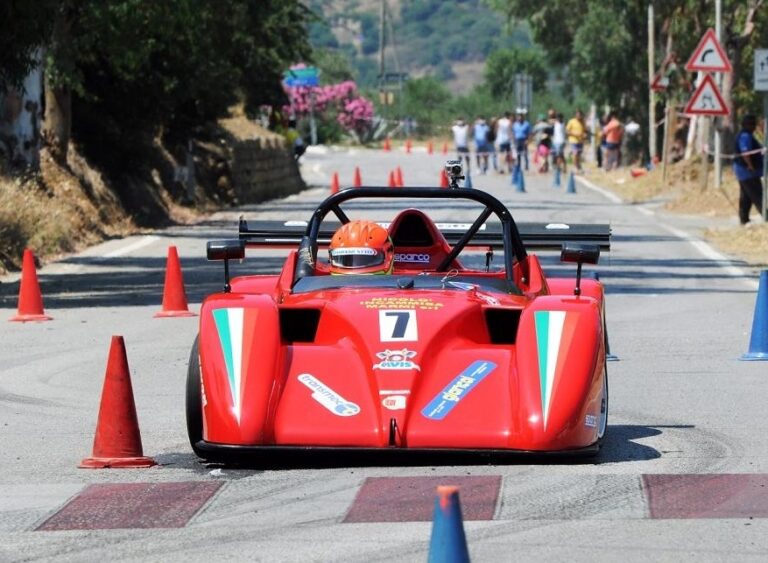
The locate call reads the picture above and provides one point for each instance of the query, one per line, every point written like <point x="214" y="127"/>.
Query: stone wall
<point x="264" y="168"/>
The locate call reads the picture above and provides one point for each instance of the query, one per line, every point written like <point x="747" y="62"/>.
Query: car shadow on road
<point x="620" y="445"/>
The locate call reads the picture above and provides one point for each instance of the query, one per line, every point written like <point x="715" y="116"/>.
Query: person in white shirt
<point x="503" y="131"/>
<point x="461" y="139"/>
<point x="558" y="142"/>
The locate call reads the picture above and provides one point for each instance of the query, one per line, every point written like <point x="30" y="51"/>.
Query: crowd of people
<point x="505" y="142"/>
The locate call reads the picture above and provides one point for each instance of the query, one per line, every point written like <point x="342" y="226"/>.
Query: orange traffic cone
<point x="445" y="148"/>
<point x="335" y="183"/>
<point x="117" y="442"/>
<point x="399" y="177"/>
<point x="408" y="146"/>
<point x="430" y="148"/>
<point x="387" y="146"/>
<point x="174" y="296"/>
<point x="357" y="182"/>
<point x="392" y="183"/>
<point x="30" y="298"/>
<point x="443" y="179"/>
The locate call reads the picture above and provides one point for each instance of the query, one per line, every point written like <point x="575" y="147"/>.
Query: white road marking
<point x="605" y="193"/>
<point x="704" y="248"/>
<point x="141" y="243"/>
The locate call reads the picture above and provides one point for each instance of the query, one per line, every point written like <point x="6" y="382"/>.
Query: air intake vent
<point x="502" y="325"/>
<point x="299" y="325"/>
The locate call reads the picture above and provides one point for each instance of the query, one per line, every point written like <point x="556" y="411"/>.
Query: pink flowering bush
<point x="352" y="112"/>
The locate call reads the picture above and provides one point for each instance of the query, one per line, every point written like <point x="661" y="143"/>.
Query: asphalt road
<point x="683" y="474"/>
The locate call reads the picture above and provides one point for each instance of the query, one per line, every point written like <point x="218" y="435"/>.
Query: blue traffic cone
<point x="556" y="181"/>
<point x="448" y="543"/>
<point x="758" y="343"/>
<point x="520" y="186"/>
<point x="515" y="179"/>
<point x="571" y="189"/>
<point x="468" y="181"/>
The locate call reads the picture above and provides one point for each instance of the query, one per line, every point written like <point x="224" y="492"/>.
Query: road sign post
<point x="305" y="77"/>
<point x="761" y="85"/>
<point x="709" y="57"/>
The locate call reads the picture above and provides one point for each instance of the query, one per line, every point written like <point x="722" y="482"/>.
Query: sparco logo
<point x="418" y="258"/>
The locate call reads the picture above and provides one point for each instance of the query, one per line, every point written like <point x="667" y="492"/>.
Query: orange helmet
<point x="361" y="247"/>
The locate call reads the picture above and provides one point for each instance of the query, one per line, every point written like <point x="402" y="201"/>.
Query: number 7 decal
<point x="398" y="325"/>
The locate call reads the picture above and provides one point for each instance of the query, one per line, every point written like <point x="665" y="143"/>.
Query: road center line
<point x="141" y="243"/>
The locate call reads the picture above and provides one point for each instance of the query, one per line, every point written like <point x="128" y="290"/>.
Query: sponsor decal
<point x="394" y="402"/>
<point x="235" y="326"/>
<point x="456" y="390"/>
<point x="590" y="421"/>
<point x="329" y="398"/>
<point x="354" y="251"/>
<point x="398" y="325"/>
<point x="420" y="303"/>
<point x="457" y="226"/>
<point x="396" y="359"/>
<point x="554" y="332"/>
<point x="413" y="258"/>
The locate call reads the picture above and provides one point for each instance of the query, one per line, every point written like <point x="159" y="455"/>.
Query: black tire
<point x="194" y="400"/>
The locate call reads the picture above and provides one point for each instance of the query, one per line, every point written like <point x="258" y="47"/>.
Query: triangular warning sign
<point x="709" y="56"/>
<point x="706" y="100"/>
<point x="660" y="83"/>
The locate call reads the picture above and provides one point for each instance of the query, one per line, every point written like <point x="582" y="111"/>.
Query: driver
<point x="361" y="247"/>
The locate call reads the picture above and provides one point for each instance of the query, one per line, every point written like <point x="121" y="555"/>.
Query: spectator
<point x="542" y="135"/>
<point x="633" y="142"/>
<point x="460" y="139"/>
<point x="521" y="131"/>
<point x="558" y="142"/>
<point x="480" y="131"/>
<point x="613" y="131"/>
<point x="295" y="139"/>
<point x="503" y="137"/>
<point x="748" y="167"/>
<point x="576" y="130"/>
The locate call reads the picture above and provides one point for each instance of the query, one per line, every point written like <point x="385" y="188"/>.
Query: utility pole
<point x="382" y="15"/>
<point x="651" y="93"/>
<point x="719" y="82"/>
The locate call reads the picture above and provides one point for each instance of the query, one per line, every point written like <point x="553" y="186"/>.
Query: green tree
<point x="502" y="65"/>
<point x="22" y="26"/>
<point x="426" y="100"/>
<point x="147" y="64"/>
<point x="606" y="81"/>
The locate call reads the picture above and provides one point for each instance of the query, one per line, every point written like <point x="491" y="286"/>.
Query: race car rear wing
<point x="535" y="236"/>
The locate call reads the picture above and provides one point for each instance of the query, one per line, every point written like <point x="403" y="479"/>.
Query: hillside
<point x="449" y="40"/>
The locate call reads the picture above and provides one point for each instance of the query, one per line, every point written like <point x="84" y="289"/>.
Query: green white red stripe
<point x="236" y="326"/>
<point x="554" y="333"/>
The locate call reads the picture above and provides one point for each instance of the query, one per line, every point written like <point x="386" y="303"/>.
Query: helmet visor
<point x="356" y="257"/>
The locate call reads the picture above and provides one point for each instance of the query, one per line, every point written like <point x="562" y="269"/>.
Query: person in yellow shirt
<point x="576" y="130"/>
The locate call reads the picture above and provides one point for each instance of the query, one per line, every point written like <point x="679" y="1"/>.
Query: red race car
<point x="444" y="352"/>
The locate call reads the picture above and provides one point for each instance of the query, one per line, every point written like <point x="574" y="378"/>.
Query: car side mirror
<point x="581" y="254"/>
<point x="230" y="249"/>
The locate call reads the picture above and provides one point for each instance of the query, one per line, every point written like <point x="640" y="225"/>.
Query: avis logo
<point x="396" y="359"/>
